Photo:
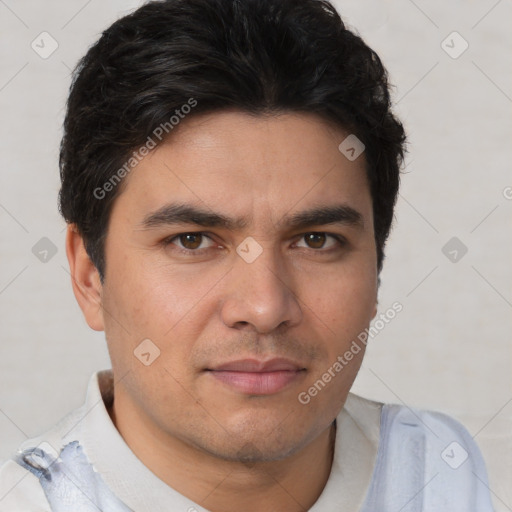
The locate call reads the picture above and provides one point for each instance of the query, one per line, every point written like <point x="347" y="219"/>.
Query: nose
<point x="260" y="294"/>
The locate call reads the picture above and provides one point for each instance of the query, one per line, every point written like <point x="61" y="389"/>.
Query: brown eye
<point x="190" y="244"/>
<point x="319" y="240"/>
<point x="191" y="240"/>
<point x="315" y="240"/>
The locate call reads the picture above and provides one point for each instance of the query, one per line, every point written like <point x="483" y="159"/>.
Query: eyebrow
<point x="179" y="213"/>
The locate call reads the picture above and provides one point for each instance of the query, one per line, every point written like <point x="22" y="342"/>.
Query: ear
<point x="85" y="279"/>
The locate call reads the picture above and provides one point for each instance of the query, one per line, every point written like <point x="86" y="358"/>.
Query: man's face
<point x="248" y="314"/>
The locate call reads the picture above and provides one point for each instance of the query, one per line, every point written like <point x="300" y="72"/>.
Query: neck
<point x="293" y="484"/>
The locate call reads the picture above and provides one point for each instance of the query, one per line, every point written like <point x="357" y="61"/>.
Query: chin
<point x="255" y="451"/>
<point x="252" y="443"/>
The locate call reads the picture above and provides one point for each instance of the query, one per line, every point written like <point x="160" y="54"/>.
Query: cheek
<point x="152" y="300"/>
<point x="344" y="301"/>
<point x="169" y="308"/>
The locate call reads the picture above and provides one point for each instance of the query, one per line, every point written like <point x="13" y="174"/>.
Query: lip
<point x="256" y="377"/>
<point x="257" y="366"/>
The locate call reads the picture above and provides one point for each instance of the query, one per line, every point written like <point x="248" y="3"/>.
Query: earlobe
<point x="85" y="279"/>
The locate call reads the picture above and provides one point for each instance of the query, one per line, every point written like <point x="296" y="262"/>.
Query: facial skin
<point x="240" y="439"/>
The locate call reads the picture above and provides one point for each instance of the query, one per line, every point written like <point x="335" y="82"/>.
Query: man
<point x="229" y="172"/>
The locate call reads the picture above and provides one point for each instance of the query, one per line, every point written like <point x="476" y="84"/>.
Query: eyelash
<point x="199" y="252"/>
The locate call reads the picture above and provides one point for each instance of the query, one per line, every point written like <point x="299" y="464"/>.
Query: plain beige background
<point x="448" y="350"/>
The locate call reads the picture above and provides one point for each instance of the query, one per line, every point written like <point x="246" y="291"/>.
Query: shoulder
<point x="453" y="444"/>
<point x="429" y="457"/>
<point x="20" y="490"/>
<point x="388" y="421"/>
<point x="20" y="485"/>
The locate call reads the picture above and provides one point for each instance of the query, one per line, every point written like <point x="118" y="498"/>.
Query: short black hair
<point x="256" y="56"/>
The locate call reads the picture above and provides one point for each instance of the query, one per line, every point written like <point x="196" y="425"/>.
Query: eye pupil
<point x="191" y="240"/>
<point x="315" y="240"/>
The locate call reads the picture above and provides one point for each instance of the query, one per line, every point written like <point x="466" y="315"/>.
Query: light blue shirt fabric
<point x="426" y="462"/>
<point x="69" y="481"/>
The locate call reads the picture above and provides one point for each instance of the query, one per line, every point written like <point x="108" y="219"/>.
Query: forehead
<point x="251" y="165"/>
